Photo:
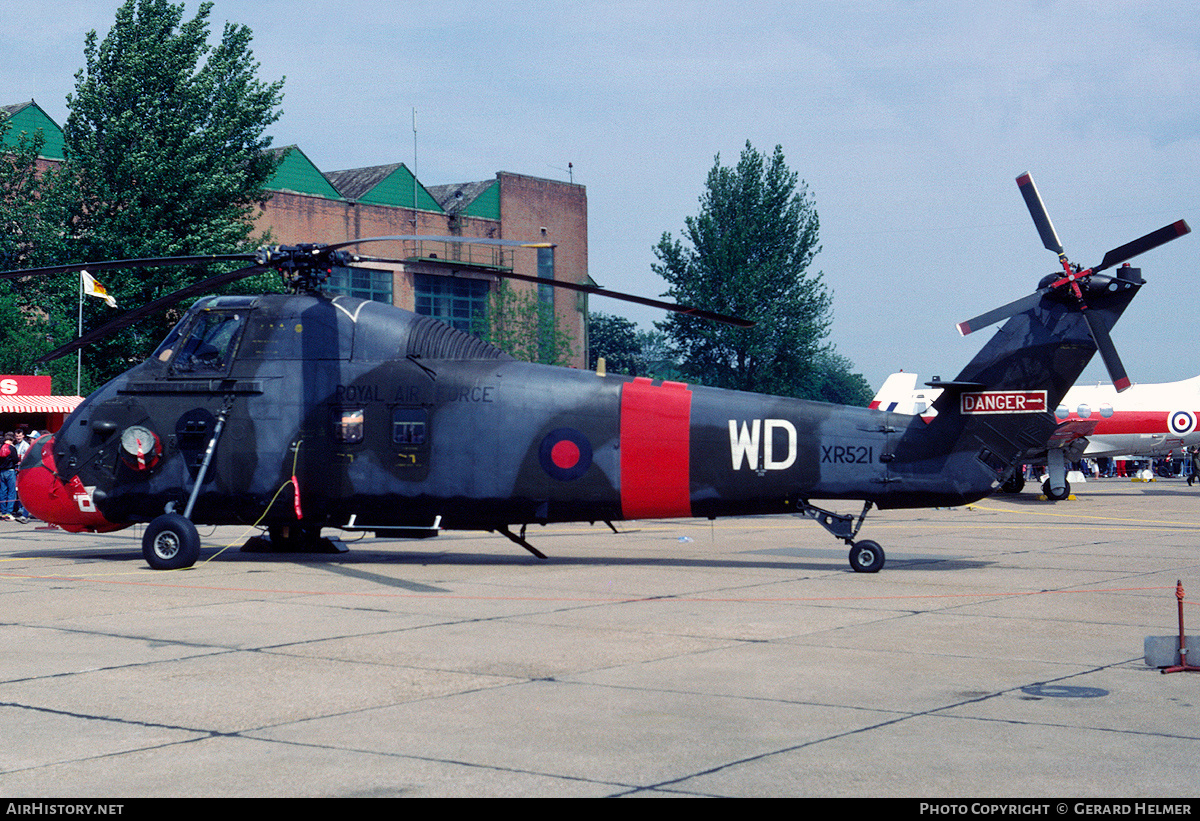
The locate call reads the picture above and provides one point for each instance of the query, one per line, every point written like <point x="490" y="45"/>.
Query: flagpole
<point x="79" y="353"/>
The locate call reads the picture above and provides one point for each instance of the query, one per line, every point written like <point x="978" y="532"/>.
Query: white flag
<point x="94" y="288"/>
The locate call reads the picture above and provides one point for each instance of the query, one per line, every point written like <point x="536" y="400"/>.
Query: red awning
<point x="39" y="404"/>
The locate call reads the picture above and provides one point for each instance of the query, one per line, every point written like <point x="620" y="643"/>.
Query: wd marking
<point x="1003" y="402"/>
<point x="758" y="437"/>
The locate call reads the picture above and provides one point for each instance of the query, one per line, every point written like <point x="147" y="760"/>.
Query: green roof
<point x="383" y="185"/>
<point x="29" y="118"/>
<point x="487" y="204"/>
<point x="297" y="173"/>
<point x="472" y="199"/>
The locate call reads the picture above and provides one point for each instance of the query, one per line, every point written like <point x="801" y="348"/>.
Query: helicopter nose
<point x="44" y="495"/>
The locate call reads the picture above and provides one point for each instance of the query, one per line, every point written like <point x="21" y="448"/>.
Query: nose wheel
<point x="171" y="543"/>
<point x="866" y="557"/>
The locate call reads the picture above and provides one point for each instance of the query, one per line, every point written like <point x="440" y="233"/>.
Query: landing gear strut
<point x="865" y="556"/>
<point x="171" y="541"/>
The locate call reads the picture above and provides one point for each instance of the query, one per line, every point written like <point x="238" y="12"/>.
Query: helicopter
<point x="303" y="411"/>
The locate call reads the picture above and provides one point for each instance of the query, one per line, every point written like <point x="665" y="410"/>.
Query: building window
<point x="457" y="301"/>
<point x="545" y="270"/>
<point x="363" y="283"/>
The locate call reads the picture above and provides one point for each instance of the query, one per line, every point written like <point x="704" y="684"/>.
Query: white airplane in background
<point x="1094" y="420"/>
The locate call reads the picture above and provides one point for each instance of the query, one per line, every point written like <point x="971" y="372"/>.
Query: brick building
<point x="450" y="281"/>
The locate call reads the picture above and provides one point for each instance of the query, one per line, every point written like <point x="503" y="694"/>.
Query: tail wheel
<point x="866" y="557"/>
<point x="171" y="543"/>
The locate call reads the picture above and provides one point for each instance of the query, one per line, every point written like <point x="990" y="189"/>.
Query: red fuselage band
<point x="655" y="450"/>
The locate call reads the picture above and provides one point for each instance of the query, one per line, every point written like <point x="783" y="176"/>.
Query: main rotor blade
<point x="592" y="289"/>
<point x="158" y="262"/>
<point x="1003" y="312"/>
<point x="162" y="303"/>
<point x="1108" y="351"/>
<point x="640" y="300"/>
<point x="512" y="243"/>
<point x="1041" y="218"/>
<point x="1143" y="244"/>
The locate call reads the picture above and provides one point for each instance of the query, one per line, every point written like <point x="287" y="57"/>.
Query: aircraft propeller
<point x="303" y="269"/>
<point x="1076" y="283"/>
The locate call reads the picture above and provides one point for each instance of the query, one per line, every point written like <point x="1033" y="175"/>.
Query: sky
<point x="907" y="121"/>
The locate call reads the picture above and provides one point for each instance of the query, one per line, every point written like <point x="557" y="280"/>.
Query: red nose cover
<point x="69" y="506"/>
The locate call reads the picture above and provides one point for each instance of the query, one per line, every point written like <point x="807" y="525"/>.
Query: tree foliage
<point x="166" y="154"/>
<point x="748" y="253"/>
<point x="628" y="350"/>
<point x="615" y="339"/>
<point x="524" y="327"/>
<point x="30" y="234"/>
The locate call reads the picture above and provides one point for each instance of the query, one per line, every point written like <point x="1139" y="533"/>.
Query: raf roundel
<point x="565" y="454"/>
<point x="1180" y="422"/>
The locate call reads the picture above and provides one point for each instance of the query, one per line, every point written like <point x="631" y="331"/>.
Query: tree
<point x="749" y="252"/>
<point x="30" y="235"/>
<point x="628" y="350"/>
<point x="524" y="327"/>
<point x="615" y="339"/>
<point x="656" y="358"/>
<point x="166" y="153"/>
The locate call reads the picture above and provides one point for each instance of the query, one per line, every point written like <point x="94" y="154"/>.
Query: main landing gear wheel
<point x="1056" y="497"/>
<point x="171" y="543"/>
<point x="866" y="557"/>
<point x="1014" y="483"/>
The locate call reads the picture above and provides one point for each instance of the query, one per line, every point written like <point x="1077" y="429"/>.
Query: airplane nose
<point x="44" y="495"/>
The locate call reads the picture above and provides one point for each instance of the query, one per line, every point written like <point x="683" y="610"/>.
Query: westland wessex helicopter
<point x="303" y="411"/>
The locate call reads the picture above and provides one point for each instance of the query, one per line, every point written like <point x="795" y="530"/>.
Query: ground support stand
<point x="1183" y="666"/>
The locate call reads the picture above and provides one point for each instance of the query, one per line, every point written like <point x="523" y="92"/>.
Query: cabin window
<point x="408" y="426"/>
<point x="348" y="425"/>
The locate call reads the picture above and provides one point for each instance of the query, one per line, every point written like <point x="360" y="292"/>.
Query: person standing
<point x="21" y="442"/>
<point x="8" y="478"/>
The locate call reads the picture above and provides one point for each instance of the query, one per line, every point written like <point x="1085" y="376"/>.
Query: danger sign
<point x="1003" y="402"/>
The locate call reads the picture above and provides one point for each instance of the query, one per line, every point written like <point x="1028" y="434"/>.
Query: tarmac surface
<point x="998" y="654"/>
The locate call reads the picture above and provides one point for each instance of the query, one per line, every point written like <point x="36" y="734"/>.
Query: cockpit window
<point x="210" y="343"/>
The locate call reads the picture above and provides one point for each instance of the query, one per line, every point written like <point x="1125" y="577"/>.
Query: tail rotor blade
<point x="1108" y="351"/>
<point x="1003" y="312"/>
<point x="1143" y="244"/>
<point x="1041" y="218"/>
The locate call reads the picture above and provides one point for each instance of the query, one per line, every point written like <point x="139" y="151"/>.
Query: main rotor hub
<point x="303" y="268"/>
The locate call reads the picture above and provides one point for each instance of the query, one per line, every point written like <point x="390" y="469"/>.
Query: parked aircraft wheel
<point x="1050" y="494"/>
<point x="866" y="557"/>
<point x="170" y="543"/>
<point x="1014" y="483"/>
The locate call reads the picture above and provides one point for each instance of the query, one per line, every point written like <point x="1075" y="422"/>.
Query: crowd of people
<point x="1184" y="464"/>
<point x="12" y="450"/>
